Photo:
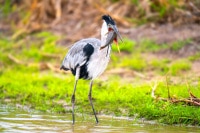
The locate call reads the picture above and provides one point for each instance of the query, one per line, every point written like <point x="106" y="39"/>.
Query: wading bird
<point x="88" y="58"/>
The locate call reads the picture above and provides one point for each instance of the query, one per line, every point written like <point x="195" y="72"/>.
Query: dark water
<point x="19" y="121"/>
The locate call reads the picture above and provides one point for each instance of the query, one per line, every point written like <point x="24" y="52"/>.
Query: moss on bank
<point x="26" y="79"/>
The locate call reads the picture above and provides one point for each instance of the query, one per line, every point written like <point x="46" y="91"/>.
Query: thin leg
<point x="90" y="99"/>
<point x="73" y="101"/>
<point x="73" y="95"/>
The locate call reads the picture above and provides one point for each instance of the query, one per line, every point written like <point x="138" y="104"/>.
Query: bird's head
<point x="109" y="32"/>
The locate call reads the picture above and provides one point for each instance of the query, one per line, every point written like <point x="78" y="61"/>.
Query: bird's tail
<point x="64" y="68"/>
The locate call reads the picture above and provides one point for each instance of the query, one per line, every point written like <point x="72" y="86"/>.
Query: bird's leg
<point x="73" y="95"/>
<point x="73" y="101"/>
<point x="90" y="99"/>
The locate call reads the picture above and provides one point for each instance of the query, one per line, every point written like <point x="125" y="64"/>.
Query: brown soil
<point x="86" y="22"/>
<point x="82" y="19"/>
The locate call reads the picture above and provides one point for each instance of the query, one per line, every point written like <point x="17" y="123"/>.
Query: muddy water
<point x="17" y="120"/>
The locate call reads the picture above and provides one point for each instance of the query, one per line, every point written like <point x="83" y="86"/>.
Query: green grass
<point x="175" y="46"/>
<point x="135" y="62"/>
<point x="6" y="7"/>
<point x="160" y="10"/>
<point x="179" y="66"/>
<point x="174" y="68"/>
<point x="39" y="90"/>
<point x="194" y="57"/>
<point x="147" y="45"/>
<point x="31" y="86"/>
<point x="126" y="46"/>
<point x="44" y="91"/>
<point x="160" y="66"/>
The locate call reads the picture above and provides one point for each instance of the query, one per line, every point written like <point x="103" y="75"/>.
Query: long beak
<point x="115" y="40"/>
<point x="117" y="32"/>
<point x="110" y="37"/>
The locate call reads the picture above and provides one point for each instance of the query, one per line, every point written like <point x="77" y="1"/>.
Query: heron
<point x="88" y="58"/>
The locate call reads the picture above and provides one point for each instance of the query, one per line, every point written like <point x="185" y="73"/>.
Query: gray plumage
<point x="88" y="58"/>
<point x="86" y="54"/>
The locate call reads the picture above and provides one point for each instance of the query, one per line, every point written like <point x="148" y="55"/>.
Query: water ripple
<point x="20" y="121"/>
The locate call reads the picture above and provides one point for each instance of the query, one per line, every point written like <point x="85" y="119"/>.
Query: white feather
<point x="104" y="33"/>
<point x="98" y="60"/>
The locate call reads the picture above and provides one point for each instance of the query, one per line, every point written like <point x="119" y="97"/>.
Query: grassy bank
<point x="30" y="76"/>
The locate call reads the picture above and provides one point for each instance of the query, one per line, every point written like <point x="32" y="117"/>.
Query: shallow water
<point x="18" y="120"/>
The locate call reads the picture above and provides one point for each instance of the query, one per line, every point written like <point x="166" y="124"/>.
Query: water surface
<point x="18" y="121"/>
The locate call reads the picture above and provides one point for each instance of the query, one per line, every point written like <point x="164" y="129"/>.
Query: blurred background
<point x="73" y="18"/>
<point x="164" y="28"/>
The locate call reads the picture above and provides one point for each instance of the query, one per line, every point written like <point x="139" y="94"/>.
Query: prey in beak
<point x="116" y="32"/>
<point x="112" y="32"/>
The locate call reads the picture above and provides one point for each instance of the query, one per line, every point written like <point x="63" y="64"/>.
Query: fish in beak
<point x="117" y="35"/>
<point x="112" y="35"/>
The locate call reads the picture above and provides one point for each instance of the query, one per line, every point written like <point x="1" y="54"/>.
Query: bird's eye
<point x="109" y="27"/>
<point x="109" y="24"/>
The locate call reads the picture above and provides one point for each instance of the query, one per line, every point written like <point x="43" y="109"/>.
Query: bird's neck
<point x="106" y="51"/>
<point x="104" y="33"/>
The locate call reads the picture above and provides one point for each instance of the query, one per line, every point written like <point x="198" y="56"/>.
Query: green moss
<point x="147" y="45"/>
<point x="179" y="66"/>
<point x="194" y="57"/>
<point x="6" y="7"/>
<point x="160" y="65"/>
<point x="136" y="2"/>
<point x="175" y="46"/>
<point x="165" y="8"/>
<point x="38" y="89"/>
<point x="175" y="68"/>
<point x="136" y="62"/>
<point x="126" y="46"/>
<point x="44" y="91"/>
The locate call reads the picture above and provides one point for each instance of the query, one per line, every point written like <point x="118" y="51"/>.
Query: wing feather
<point x="76" y="55"/>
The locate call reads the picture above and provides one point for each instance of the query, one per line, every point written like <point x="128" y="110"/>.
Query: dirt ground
<point x="86" y="22"/>
<point x="82" y="19"/>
